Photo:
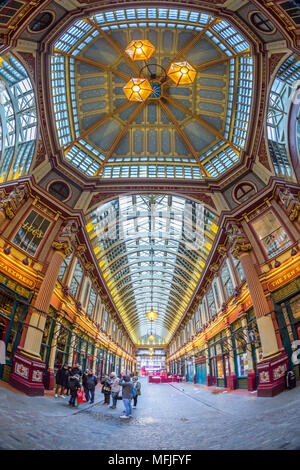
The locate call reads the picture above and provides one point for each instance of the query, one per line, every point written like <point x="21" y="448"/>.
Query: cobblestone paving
<point x="176" y="416"/>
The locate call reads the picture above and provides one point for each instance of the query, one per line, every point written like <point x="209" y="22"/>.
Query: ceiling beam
<point x="99" y="65"/>
<point x="98" y="123"/>
<point x="222" y="59"/>
<point x="119" y="136"/>
<point x="114" y="44"/>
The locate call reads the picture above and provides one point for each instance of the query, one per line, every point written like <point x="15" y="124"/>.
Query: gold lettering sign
<point x="290" y="289"/>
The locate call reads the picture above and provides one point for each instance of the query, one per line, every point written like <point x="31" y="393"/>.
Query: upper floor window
<point x="105" y="318"/>
<point x="31" y="232"/>
<point x="239" y="270"/>
<point x="64" y="265"/>
<point x="91" y="302"/>
<point x="76" y="280"/>
<point x="271" y="234"/>
<point x="226" y="280"/>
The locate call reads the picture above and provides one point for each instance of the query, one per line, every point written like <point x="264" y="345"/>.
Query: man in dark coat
<point x="89" y="382"/>
<point x="61" y="380"/>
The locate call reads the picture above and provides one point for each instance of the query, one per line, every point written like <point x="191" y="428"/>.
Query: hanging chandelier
<point x="141" y="88"/>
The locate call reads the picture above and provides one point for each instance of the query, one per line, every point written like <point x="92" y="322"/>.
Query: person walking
<point x="127" y="387"/>
<point x="74" y="385"/>
<point x="89" y="383"/>
<point x="106" y="389"/>
<point x="137" y="386"/>
<point x="61" y="381"/>
<point x="115" y="389"/>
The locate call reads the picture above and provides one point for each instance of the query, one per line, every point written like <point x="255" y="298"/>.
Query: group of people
<point x="128" y="385"/>
<point x="125" y="387"/>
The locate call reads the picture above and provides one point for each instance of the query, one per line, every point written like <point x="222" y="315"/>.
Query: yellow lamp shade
<point x="151" y="337"/>
<point x="182" y="73"/>
<point x="152" y="315"/>
<point x="137" y="89"/>
<point x="140" y="49"/>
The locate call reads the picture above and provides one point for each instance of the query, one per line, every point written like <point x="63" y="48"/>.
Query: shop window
<point x="31" y="232"/>
<point x="272" y="235"/>
<point x="8" y="8"/>
<point x="240" y="340"/>
<point x="226" y="280"/>
<point x="76" y="279"/>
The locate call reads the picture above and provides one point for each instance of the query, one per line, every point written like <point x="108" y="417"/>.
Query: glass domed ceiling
<point x="189" y="131"/>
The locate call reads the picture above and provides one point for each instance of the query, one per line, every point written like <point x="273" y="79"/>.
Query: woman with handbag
<point x="106" y="389"/>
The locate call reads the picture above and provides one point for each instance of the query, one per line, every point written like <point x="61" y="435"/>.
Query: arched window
<point x="18" y="119"/>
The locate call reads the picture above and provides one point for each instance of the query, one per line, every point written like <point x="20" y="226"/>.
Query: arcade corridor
<point x="166" y="418"/>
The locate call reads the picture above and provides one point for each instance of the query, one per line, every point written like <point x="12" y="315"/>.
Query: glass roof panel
<point x="151" y="251"/>
<point x="189" y="132"/>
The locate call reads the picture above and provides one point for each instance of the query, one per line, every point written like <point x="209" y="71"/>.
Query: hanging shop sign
<point x="284" y="277"/>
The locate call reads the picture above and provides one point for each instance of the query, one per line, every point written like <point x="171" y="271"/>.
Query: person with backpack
<point x="106" y="389"/>
<point x="127" y="387"/>
<point x="137" y="389"/>
<point x="74" y="385"/>
<point x="89" y="382"/>
<point x="115" y="389"/>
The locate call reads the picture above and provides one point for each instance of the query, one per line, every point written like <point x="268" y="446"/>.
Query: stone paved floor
<point x="176" y="416"/>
